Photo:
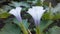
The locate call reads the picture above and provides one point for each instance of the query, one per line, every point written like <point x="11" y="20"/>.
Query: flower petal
<point x="36" y="12"/>
<point x="17" y="13"/>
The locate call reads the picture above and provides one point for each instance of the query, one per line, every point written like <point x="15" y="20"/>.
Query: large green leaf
<point x="10" y="28"/>
<point x="54" y="30"/>
<point x="6" y="8"/>
<point x="44" y="24"/>
<point x="18" y="4"/>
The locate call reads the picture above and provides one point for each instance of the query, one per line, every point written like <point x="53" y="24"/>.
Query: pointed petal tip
<point x="11" y="11"/>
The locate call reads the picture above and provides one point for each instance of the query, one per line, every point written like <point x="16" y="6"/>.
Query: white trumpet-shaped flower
<point x="36" y="12"/>
<point x="17" y="13"/>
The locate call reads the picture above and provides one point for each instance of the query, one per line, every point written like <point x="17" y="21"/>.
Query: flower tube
<point x="36" y="12"/>
<point x="17" y="13"/>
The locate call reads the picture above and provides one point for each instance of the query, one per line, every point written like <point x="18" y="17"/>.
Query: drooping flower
<point x="17" y="13"/>
<point x="36" y="12"/>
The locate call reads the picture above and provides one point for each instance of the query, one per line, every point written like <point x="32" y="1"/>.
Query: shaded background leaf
<point x="54" y="30"/>
<point x="10" y="28"/>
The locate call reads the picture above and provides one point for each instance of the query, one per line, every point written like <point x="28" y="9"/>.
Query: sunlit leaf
<point x="47" y="16"/>
<point x="4" y="14"/>
<point x="57" y="16"/>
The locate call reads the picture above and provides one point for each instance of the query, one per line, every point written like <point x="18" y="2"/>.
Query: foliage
<point x="10" y="28"/>
<point x="46" y="21"/>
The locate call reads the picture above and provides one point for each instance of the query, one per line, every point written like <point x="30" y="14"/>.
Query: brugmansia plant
<point x="17" y="13"/>
<point x="36" y="12"/>
<point x="45" y="17"/>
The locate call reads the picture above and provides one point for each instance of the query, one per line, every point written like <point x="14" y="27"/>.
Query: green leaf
<point x="44" y="24"/>
<point x="6" y="8"/>
<point x="32" y="1"/>
<point x="10" y="28"/>
<point x="24" y="22"/>
<point x="4" y="14"/>
<point x="38" y="3"/>
<point x="54" y="30"/>
<point x="56" y="16"/>
<point x="2" y="11"/>
<point x="47" y="16"/>
<point x="18" y="4"/>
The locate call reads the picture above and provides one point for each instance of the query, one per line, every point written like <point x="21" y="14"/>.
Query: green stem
<point x="23" y="28"/>
<point x="38" y="30"/>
